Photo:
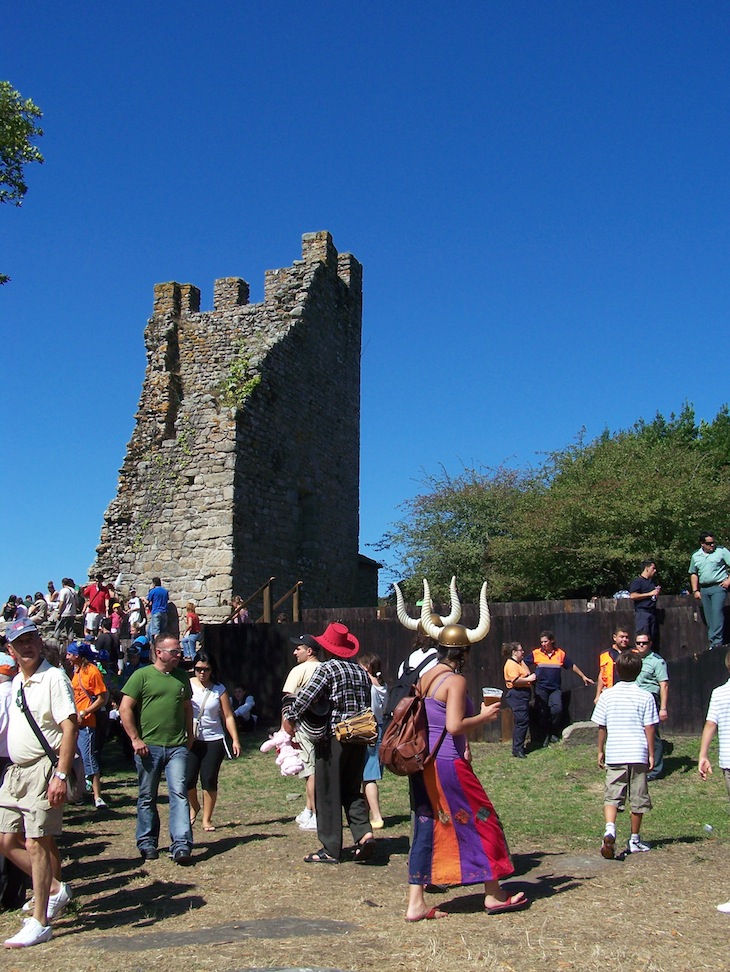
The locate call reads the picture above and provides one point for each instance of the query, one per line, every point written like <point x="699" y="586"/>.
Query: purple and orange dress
<point x="457" y="837"/>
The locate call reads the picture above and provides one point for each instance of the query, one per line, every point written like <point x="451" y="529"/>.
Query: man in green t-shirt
<point x="710" y="580"/>
<point x="157" y="715"/>
<point x="654" y="678"/>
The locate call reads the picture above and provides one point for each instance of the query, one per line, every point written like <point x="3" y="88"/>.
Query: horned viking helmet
<point x="456" y="635"/>
<point x="414" y="623"/>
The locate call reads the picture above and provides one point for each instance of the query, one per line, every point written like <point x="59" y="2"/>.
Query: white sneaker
<point x="32" y="933"/>
<point x="637" y="847"/>
<point x="99" y="804"/>
<point x="58" y="902"/>
<point x="310" y="824"/>
<point x="724" y="908"/>
<point x="305" y="816"/>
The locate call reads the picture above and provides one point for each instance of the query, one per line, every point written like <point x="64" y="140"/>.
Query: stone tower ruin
<point x="244" y="462"/>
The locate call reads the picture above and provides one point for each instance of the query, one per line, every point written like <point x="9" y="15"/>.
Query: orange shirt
<point x="606" y="662"/>
<point x="90" y="679"/>
<point x="514" y="670"/>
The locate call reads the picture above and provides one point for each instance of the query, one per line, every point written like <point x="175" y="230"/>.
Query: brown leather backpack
<point x="404" y="746"/>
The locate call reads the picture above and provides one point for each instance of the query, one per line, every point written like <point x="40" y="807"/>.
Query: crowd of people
<point x="183" y="723"/>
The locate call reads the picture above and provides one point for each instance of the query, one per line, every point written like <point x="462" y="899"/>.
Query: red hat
<point x="338" y="641"/>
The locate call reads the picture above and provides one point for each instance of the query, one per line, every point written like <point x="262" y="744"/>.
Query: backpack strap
<point x="429" y="694"/>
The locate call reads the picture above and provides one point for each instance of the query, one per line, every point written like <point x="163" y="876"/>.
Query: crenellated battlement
<point x="177" y="299"/>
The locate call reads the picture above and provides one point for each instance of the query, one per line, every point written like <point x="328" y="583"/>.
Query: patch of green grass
<point x="553" y="798"/>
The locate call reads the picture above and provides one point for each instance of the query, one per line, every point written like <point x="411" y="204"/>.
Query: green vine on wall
<point x="234" y="388"/>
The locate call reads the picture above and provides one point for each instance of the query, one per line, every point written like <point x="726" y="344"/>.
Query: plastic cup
<point x="490" y="696"/>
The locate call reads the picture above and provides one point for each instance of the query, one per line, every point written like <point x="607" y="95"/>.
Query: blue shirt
<point x="158" y="598"/>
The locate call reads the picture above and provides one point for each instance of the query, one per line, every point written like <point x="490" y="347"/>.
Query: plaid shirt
<point x="344" y="683"/>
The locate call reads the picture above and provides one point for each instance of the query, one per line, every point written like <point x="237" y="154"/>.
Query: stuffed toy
<point x="288" y="758"/>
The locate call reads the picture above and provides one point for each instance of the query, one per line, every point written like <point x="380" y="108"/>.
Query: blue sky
<point x="538" y="192"/>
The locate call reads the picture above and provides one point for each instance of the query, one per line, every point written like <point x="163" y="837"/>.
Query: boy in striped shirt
<point x="626" y="716"/>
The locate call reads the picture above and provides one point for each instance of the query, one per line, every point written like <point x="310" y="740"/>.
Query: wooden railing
<point x="266" y="592"/>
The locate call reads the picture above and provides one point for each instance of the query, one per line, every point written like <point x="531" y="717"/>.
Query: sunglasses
<point x="201" y="669"/>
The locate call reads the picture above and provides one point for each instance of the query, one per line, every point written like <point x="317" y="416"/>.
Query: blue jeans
<point x="189" y="645"/>
<point x="157" y="625"/>
<point x="174" y="760"/>
<point x="87" y="748"/>
<point x="713" y="603"/>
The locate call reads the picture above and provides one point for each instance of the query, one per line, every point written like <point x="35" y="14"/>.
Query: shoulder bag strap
<point x="37" y="729"/>
<point x="201" y="708"/>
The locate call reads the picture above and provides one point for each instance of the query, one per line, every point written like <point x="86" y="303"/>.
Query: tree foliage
<point x="18" y="128"/>
<point x="581" y="523"/>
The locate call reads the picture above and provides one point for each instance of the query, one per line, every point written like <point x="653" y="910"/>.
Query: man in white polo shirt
<point x="34" y="789"/>
<point x="718" y="720"/>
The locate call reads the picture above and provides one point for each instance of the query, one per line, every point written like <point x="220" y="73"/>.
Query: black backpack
<point x="402" y="687"/>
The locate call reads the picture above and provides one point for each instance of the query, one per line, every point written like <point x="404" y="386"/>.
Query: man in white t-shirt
<point x="306" y="652"/>
<point x="626" y="716"/>
<point x="34" y="789"/>
<point x="718" y="720"/>
<point x="67" y="603"/>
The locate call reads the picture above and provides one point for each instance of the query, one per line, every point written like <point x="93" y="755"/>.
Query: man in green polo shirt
<point x="709" y="577"/>
<point x="654" y="678"/>
<point x="157" y="715"/>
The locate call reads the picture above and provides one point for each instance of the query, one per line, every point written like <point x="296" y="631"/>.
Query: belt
<point x="713" y="584"/>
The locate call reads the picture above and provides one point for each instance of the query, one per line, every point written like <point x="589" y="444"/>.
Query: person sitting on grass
<point x="626" y="717"/>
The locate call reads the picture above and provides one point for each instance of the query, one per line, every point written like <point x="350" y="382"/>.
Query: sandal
<point x="365" y="850"/>
<point x="513" y="903"/>
<point x="320" y="857"/>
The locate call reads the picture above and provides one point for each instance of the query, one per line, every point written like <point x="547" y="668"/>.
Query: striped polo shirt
<point x="624" y="710"/>
<point x="719" y="713"/>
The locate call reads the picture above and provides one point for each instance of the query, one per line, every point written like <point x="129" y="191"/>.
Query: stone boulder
<point x="581" y="734"/>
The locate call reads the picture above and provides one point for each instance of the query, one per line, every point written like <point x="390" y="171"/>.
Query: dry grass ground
<point x="250" y="901"/>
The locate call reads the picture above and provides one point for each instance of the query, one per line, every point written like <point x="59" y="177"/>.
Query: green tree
<point x="18" y="117"/>
<point x="452" y="528"/>
<point x="582" y="522"/>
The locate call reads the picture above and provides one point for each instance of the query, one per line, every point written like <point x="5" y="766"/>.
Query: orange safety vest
<point x="606" y="663"/>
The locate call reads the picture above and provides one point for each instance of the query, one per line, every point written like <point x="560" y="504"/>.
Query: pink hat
<point x="338" y="641"/>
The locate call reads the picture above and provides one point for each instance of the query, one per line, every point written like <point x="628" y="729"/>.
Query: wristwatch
<point x="60" y="776"/>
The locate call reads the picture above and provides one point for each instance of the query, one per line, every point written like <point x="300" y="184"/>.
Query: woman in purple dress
<point x="458" y="838"/>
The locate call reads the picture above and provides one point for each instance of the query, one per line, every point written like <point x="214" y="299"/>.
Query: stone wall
<point x="244" y="462"/>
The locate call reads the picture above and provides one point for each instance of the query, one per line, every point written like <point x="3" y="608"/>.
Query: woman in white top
<point x="372" y="771"/>
<point x="211" y="707"/>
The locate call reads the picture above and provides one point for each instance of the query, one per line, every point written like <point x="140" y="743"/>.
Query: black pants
<point x="519" y="701"/>
<point x="646" y="623"/>
<point x="550" y="710"/>
<point x="337" y="785"/>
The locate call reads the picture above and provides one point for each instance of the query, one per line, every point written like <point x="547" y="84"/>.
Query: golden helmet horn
<point x="413" y="623"/>
<point x="456" y="635"/>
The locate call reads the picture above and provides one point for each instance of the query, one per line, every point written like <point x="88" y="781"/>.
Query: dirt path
<point x="250" y="901"/>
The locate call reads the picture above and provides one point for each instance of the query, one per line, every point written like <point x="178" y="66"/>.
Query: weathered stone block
<point x="581" y="734"/>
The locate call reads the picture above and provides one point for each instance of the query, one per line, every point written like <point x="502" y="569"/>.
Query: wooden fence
<point x="259" y="656"/>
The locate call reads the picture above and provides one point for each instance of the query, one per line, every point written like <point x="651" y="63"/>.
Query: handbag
<point x="201" y="708"/>
<point x="76" y="780"/>
<point x="360" y="729"/>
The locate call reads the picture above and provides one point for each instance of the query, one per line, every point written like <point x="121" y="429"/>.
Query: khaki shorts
<point x="24" y="802"/>
<point x="627" y="783"/>
<point x="307" y="754"/>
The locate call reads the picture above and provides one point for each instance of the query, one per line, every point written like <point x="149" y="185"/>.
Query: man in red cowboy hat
<point x="345" y="687"/>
